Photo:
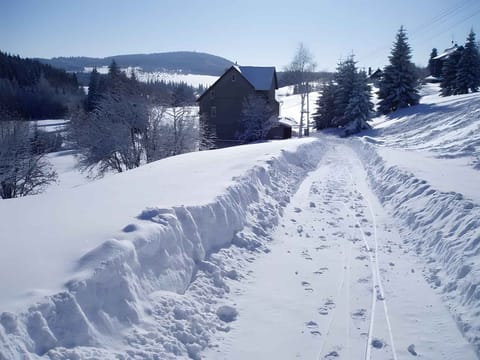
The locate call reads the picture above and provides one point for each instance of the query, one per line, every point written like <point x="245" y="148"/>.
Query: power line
<point x="442" y="18"/>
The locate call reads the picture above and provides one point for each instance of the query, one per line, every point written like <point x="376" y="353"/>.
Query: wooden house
<point x="221" y="104"/>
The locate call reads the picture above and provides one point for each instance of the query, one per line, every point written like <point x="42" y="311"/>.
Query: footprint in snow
<point x="311" y="324"/>
<point x="297" y="210"/>
<point x="377" y="343"/>
<point x="329" y="305"/>
<point x="320" y="271"/>
<point x="331" y="355"/>
<point x="306" y="286"/>
<point x="359" y="314"/>
<point x="411" y="350"/>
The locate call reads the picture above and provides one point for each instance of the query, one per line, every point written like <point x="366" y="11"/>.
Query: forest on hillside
<point x="32" y="90"/>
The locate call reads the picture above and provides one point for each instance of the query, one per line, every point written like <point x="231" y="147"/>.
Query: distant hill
<point x="187" y="62"/>
<point x="32" y="90"/>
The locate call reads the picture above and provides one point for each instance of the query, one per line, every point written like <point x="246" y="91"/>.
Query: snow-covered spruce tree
<point x="325" y="112"/>
<point x="398" y="86"/>
<point x="345" y="80"/>
<point x="468" y="71"/>
<point x="433" y="68"/>
<point x="345" y="103"/>
<point x="360" y="106"/>
<point x="448" y="85"/>
<point x="257" y="119"/>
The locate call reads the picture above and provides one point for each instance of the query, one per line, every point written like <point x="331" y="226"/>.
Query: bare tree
<point x="257" y="119"/>
<point x="111" y="136"/>
<point x="301" y="68"/>
<point x="173" y="131"/>
<point x="22" y="170"/>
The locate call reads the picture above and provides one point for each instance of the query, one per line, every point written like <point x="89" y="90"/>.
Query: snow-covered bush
<point x="23" y="171"/>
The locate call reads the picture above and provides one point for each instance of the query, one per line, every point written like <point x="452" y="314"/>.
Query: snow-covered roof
<point x="447" y="52"/>
<point x="260" y="77"/>
<point x="287" y="121"/>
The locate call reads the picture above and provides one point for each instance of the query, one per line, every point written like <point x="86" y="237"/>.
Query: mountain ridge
<point x="189" y="62"/>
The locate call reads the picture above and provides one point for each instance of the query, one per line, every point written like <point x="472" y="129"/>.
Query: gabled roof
<point x="260" y="77"/>
<point x="447" y="52"/>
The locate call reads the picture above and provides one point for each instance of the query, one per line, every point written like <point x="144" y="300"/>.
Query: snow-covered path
<point x="337" y="283"/>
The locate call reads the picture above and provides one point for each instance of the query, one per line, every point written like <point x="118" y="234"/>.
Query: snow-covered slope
<point x="325" y="248"/>
<point x="194" y="80"/>
<point x="375" y="243"/>
<point x="423" y="163"/>
<point x="290" y="105"/>
<point x="110" y="256"/>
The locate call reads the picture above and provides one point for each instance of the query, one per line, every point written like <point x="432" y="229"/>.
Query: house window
<point x="212" y="94"/>
<point x="233" y="77"/>
<point x="213" y="111"/>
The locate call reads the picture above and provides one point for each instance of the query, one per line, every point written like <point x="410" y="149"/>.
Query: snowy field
<point x="194" y="80"/>
<point x="320" y="248"/>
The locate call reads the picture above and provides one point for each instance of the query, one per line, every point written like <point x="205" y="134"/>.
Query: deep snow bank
<point x="442" y="227"/>
<point x="154" y="291"/>
<point x="447" y="127"/>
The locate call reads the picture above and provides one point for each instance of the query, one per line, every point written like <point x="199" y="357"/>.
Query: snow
<point x="133" y="238"/>
<point x="194" y="80"/>
<point x="290" y="104"/>
<point x="261" y="77"/>
<point x="66" y="224"/>
<point x="310" y="297"/>
<point x="51" y="125"/>
<point x="319" y="248"/>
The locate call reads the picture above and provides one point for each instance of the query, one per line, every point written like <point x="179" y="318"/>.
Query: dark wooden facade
<point x="221" y="104"/>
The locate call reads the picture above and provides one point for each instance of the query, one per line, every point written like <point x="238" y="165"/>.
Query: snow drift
<point x="154" y="290"/>
<point x="430" y="184"/>
<point x="443" y="228"/>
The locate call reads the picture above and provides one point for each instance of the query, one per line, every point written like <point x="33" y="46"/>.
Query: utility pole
<point x="302" y="106"/>
<point x="308" y="107"/>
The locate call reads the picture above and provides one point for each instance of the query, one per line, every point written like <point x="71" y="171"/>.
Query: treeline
<point x="345" y="102"/>
<point x="186" y="62"/>
<point x="32" y="90"/>
<point x="289" y="77"/>
<point x="159" y="92"/>
<point x="126" y="123"/>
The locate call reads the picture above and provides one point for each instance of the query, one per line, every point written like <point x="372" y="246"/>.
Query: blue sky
<point x="251" y="32"/>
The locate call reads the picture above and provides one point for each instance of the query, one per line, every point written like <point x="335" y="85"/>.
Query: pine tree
<point x="433" y="65"/>
<point x="325" y="113"/>
<point x="93" y="89"/>
<point x="359" y="107"/>
<point x="113" y="69"/>
<point x="345" y="78"/>
<point x="345" y="103"/>
<point x="397" y="89"/>
<point x="468" y="69"/>
<point x="449" y="73"/>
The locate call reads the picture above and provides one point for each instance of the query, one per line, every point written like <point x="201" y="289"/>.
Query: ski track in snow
<point x="335" y="223"/>
<point x="339" y="273"/>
